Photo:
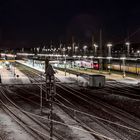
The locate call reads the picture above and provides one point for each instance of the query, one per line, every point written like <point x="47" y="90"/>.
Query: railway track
<point x="115" y="88"/>
<point x="91" y="99"/>
<point x="129" y="91"/>
<point x="35" y="128"/>
<point x="134" y="123"/>
<point x="86" y="127"/>
<point x="113" y="113"/>
<point x="92" y="132"/>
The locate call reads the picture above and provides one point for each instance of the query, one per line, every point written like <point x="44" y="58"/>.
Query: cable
<point x="136" y="130"/>
<point x="129" y="128"/>
<point x="133" y="34"/>
<point x="40" y="132"/>
<point x="107" y="120"/>
<point x="92" y="132"/>
<point x="8" y="107"/>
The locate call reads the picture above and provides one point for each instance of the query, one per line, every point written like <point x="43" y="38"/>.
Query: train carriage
<point x="129" y="66"/>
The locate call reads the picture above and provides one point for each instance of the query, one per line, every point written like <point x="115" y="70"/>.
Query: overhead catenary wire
<point x="99" y="118"/>
<point x="133" y="34"/>
<point x="22" y="112"/>
<point x="127" y="38"/>
<point x="60" y="122"/>
<point x="41" y="133"/>
<point x="91" y="132"/>
<point x="93" y="116"/>
<point x="9" y="107"/>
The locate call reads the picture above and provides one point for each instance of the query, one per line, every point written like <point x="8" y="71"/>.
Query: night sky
<point x="24" y="21"/>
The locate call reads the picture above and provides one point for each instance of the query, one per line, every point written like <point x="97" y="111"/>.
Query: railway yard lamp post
<point x="74" y="57"/>
<point x="65" y="64"/>
<point x="128" y="48"/>
<point x="69" y="48"/>
<point x="85" y="49"/>
<point x="64" y="52"/>
<point x="95" y="49"/>
<point x="109" y="45"/>
<point x="138" y="53"/>
<point x="14" y="65"/>
<point x="60" y="48"/>
<point x="76" y="48"/>
<point x="123" y="61"/>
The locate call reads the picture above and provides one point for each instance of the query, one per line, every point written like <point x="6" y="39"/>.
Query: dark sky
<point x="41" y="21"/>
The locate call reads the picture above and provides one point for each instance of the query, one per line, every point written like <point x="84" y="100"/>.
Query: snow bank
<point x="128" y="81"/>
<point x="8" y="77"/>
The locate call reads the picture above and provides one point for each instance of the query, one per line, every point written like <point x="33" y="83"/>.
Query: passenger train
<point x="128" y="66"/>
<point x="87" y="64"/>
<point x="132" y="66"/>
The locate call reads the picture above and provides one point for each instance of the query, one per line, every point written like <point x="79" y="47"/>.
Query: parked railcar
<point x="128" y="66"/>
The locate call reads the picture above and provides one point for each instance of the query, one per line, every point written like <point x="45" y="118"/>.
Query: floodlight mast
<point x="109" y="45"/>
<point x="128" y="48"/>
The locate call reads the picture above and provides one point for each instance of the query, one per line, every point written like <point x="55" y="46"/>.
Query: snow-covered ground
<point x="129" y="81"/>
<point x="75" y="127"/>
<point x="11" y="129"/>
<point x="126" y="80"/>
<point x="70" y="78"/>
<point x="8" y="77"/>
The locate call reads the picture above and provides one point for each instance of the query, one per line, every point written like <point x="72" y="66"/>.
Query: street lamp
<point x="109" y="66"/>
<point x="14" y="65"/>
<point x="64" y="51"/>
<point x="128" y="48"/>
<point x="109" y="45"/>
<point x="85" y="48"/>
<point x="123" y="60"/>
<point x="74" y="56"/>
<point x="95" y="51"/>
<point x="69" y="48"/>
<point x="76" y="48"/>
<point x="138" y="52"/>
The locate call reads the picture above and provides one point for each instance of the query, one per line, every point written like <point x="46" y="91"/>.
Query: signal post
<point x="50" y="92"/>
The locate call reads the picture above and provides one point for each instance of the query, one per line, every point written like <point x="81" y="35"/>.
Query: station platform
<point x="13" y="77"/>
<point x="60" y="75"/>
<point x="115" y="77"/>
<point x="71" y="78"/>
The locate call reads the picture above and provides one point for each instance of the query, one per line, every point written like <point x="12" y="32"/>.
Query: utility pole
<point x="14" y="64"/>
<point x="41" y="99"/>
<point x="100" y="48"/>
<point x="65" y="62"/>
<point x="101" y="42"/>
<point x="73" y="46"/>
<point x="123" y="67"/>
<point x="50" y="91"/>
<point x="60" y="46"/>
<point x="92" y="44"/>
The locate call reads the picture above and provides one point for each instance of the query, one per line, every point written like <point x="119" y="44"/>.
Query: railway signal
<point x="50" y="91"/>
